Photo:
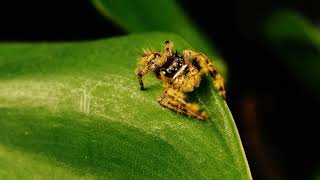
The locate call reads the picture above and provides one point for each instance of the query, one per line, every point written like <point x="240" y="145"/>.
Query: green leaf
<point x="297" y="43"/>
<point x="160" y="16"/>
<point x="74" y="110"/>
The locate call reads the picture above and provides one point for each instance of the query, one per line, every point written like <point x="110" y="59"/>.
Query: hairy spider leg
<point x="175" y="100"/>
<point x="152" y="60"/>
<point x="207" y="67"/>
<point x="169" y="48"/>
<point x="149" y="61"/>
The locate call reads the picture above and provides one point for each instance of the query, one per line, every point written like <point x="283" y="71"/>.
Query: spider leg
<point x="175" y="100"/>
<point x="149" y="61"/>
<point x="206" y="67"/>
<point x="169" y="47"/>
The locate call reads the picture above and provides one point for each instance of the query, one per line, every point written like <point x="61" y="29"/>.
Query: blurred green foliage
<point x="297" y="42"/>
<point x="160" y="16"/>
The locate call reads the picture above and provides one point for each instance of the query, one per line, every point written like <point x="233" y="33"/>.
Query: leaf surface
<point x="74" y="110"/>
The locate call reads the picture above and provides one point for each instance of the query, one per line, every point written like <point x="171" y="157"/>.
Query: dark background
<point x="275" y="112"/>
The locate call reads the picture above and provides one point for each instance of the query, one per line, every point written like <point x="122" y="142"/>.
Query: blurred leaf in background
<point x="74" y="110"/>
<point x="297" y="42"/>
<point x="159" y="15"/>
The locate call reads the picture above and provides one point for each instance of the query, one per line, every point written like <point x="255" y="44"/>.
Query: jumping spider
<point x="181" y="73"/>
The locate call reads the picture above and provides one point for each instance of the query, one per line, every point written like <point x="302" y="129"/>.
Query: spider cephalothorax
<point x="181" y="73"/>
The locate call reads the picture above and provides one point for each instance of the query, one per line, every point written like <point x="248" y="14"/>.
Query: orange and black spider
<point x="181" y="73"/>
